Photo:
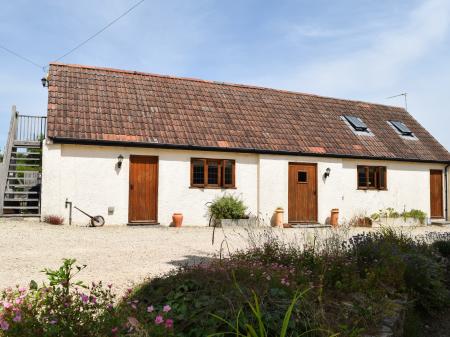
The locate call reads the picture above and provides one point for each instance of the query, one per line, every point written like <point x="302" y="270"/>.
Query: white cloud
<point x="389" y="53"/>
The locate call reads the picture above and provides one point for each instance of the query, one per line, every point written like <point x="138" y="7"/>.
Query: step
<point x="27" y="153"/>
<point x="29" y="215"/>
<point x="21" y="199"/>
<point x="21" y="192"/>
<point x="21" y="207"/>
<point x="25" y="158"/>
<point x="25" y="165"/>
<point x="27" y="143"/>
<point x="22" y="171"/>
<point x="21" y="185"/>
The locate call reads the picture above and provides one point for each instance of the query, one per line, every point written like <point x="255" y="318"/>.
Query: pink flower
<point x="114" y="330"/>
<point x="18" y="317"/>
<point x="22" y="289"/>
<point x="84" y="298"/>
<point x="4" y="325"/>
<point x="159" y="319"/>
<point x="53" y="321"/>
<point x="7" y="305"/>
<point x="18" y="300"/>
<point x="167" y="308"/>
<point x="150" y="308"/>
<point x="169" y="323"/>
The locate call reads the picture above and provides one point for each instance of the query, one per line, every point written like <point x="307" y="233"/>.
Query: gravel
<point x="125" y="255"/>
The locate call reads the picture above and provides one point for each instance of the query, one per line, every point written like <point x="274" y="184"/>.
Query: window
<point x="356" y="123"/>
<point x="401" y="128"/>
<point x="371" y="177"/>
<point x="302" y="177"/>
<point x="212" y="173"/>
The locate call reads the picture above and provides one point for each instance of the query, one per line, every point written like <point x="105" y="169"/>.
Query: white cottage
<point x="137" y="147"/>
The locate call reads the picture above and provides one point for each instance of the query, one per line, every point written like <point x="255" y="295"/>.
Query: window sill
<point x="212" y="188"/>
<point x="371" y="189"/>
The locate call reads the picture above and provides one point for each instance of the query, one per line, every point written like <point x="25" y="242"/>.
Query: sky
<point x="356" y="49"/>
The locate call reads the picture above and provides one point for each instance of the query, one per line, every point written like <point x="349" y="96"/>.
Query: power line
<point x="405" y="94"/>
<point x="100" y="31"/>
<point x="23" y="58"/>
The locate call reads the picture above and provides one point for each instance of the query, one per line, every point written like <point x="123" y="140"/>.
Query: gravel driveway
<point x="118" y="254"/>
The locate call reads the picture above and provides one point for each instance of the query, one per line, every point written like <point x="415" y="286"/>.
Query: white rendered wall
<point x="87" y="176"/>
<point x="408" y="186"/>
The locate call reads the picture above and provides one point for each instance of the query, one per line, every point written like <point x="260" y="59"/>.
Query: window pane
<point x="302" y="176"/>
<point x="213" y="173"/>
<point x="372" y="177"/>
<point x="362" y="177"/>
<point x="382" y="178"/>
<point x="228" y="173"/>
<point x="198" y="173"/>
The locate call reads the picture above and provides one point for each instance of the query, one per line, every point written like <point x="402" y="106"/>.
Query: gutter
<point x="64" y="140"/>
<point x="446" y="191"/>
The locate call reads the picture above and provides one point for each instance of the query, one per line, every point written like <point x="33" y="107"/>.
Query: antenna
<point x="405" y="94"/>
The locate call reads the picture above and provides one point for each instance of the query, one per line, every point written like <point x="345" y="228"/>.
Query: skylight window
<point x="356" y="123"/>
<point x="402" y="128"/>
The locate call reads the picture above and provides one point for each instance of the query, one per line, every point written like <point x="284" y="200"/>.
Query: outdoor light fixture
<point x="327" y="173"/>
<point x="44" y="82"/>
<point x="119" y="161"/>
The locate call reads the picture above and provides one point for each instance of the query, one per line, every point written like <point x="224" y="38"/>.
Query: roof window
<point x="401" y="128"/>
<point x="356" y="123"/>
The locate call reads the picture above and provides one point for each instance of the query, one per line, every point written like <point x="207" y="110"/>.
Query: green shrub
<point x="425" y="280"/>
<point x="227" y="207"/>
<point x="65" y="308"/>
<point x="443" y="247"/>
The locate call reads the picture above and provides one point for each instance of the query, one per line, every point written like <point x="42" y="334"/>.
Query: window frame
<point x="220" y="172"/>
<point x="378" y="185"/>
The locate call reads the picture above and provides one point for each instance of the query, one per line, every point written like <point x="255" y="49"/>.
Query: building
<point x="136" y="147"/>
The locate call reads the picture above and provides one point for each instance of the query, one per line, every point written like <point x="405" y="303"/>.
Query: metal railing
<point x="30" y="128"/>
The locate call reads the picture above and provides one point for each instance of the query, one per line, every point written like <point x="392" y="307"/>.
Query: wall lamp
<point x="327" y="173"/>
<point x="44" y="82"/>
<point x="119" y="161"/>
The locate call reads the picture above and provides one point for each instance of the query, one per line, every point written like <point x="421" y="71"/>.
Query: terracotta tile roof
<point x="89" y="104"/>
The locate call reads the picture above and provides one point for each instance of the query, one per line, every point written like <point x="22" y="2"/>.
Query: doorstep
<point x="306" y="225"/>
<point x="141" y="224"/>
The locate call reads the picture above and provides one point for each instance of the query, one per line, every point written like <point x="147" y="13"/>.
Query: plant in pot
<point x="227" y="207"/>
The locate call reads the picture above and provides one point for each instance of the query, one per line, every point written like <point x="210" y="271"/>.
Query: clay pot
<point x="279" y="217"/>
<point x="334" y="219"/>
<point x="177" y="219"/>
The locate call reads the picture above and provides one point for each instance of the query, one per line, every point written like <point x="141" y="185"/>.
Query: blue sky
<point x="361" y="49"/>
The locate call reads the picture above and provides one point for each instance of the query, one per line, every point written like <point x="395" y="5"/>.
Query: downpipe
<point x="446" y="191"/>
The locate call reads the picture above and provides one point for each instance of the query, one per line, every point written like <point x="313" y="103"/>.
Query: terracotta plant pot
<point x="334" y="219"/>
<point x="177" y="219"/>
<point x="279" y="217"/>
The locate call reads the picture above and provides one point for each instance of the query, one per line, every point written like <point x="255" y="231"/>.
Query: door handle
<point x="131" y="186"/>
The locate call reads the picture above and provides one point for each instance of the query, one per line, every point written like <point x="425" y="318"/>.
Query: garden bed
<point x="338" y="288"/>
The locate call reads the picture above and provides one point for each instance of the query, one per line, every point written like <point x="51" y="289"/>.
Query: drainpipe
<point x="446" y="191"/>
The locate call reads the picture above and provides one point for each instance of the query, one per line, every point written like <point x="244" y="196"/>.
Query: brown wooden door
<point x="436" y="198"/>
<point x="143" y="195"/>
<point x="302" y="200"/>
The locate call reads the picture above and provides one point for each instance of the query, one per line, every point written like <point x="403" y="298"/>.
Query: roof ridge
<point x="238" y="85"/>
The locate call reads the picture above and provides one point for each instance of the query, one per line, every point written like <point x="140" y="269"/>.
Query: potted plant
<point x="228" y="210"/>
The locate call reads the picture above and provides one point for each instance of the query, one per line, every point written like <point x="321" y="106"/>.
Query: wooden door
<point x="436" y="191"/>
<point x="302" y="199"/>
<point x="143" y="195"/>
